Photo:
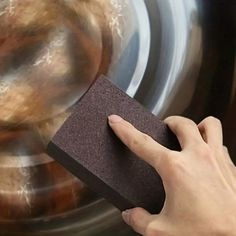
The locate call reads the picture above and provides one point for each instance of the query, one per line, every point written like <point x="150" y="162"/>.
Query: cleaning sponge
<point x="87" y="147"/>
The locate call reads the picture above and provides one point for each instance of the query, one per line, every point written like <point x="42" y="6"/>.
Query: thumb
<point x="138" y="219"/>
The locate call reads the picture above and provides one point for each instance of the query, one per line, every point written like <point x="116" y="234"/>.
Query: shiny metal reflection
<point x="50" y="52"/>
<point x="42" y="72"/>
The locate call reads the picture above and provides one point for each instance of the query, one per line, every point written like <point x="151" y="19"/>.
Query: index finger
<point x="141" y="144"/>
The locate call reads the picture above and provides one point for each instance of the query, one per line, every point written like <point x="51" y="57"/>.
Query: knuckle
<point x="185" y="124"/>
<point x="213" y="121"/>
<point x="133" y="216"/>
<point x="152" y="230"/>
<point x="171" y="157"/>
<point x="225" y="149"/>
<point x="177" y="168"/>
<point x="133" y="143"/>
<point x="135" y="211"/>
<point x="189" y="122"/>
<point x="145" y="137"/>
<point x="172" y="121"/>
<point x="179" y="120"/>
<point x="169" y="119"/>
<point x="203" y="151"/>
<point x="138" y="141"/>
<point x="165" y="160"/>
<point x="189" y="125"/>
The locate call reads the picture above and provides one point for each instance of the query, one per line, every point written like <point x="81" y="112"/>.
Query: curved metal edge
<point x="144" y="32"/>
<point x="185" y="61"/>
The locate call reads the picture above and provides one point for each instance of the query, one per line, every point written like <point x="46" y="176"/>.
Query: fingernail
<point x="114" y="119"/>
<point x="126" y="216"/>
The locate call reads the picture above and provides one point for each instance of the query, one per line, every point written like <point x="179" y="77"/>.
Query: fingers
<point x="211" y="130"/>
<point x="228" y="158"/>
<point x="139" y="143"/>
<point x="138" y="219"/>
<point x="186" y="131"/>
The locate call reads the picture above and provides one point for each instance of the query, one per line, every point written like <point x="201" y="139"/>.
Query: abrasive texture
<point x="87" y="147"/>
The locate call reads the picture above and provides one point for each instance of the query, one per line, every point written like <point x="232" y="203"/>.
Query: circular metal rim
<point x="144" y="46"/>
<point x="87" y="225"/>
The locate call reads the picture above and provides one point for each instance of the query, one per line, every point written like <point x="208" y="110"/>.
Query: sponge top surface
<point x="94" y="153"/>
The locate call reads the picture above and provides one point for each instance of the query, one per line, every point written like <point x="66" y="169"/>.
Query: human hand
<point x="199" y="181"/>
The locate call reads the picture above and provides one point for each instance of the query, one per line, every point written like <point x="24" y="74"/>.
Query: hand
<point x="199" y="181"/>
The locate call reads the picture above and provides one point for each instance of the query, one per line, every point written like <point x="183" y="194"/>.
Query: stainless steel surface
<point x="175" y="57"/>
<point x="50" y="52"/>
<point x="180" y="56"/>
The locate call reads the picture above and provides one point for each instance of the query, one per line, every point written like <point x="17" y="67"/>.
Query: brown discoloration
<point x="27" y="202"/>
<point x="33" y="104"/>
<point x="49" y="75"/>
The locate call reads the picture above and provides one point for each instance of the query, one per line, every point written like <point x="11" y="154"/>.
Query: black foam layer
<point x="87" y="147"/>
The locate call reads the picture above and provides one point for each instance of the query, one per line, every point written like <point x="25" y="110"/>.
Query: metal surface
<point x="179" y="59"/>
<point x="50" y="52"/>
<point x="175" y="57"/>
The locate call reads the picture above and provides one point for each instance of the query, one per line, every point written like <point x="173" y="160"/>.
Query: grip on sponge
<point x="87" y="147"/>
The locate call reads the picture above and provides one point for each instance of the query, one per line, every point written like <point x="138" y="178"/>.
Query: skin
<point x="199" y="181"/>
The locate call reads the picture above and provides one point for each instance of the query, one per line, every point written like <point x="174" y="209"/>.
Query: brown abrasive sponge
<point x="88" y="148"/>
